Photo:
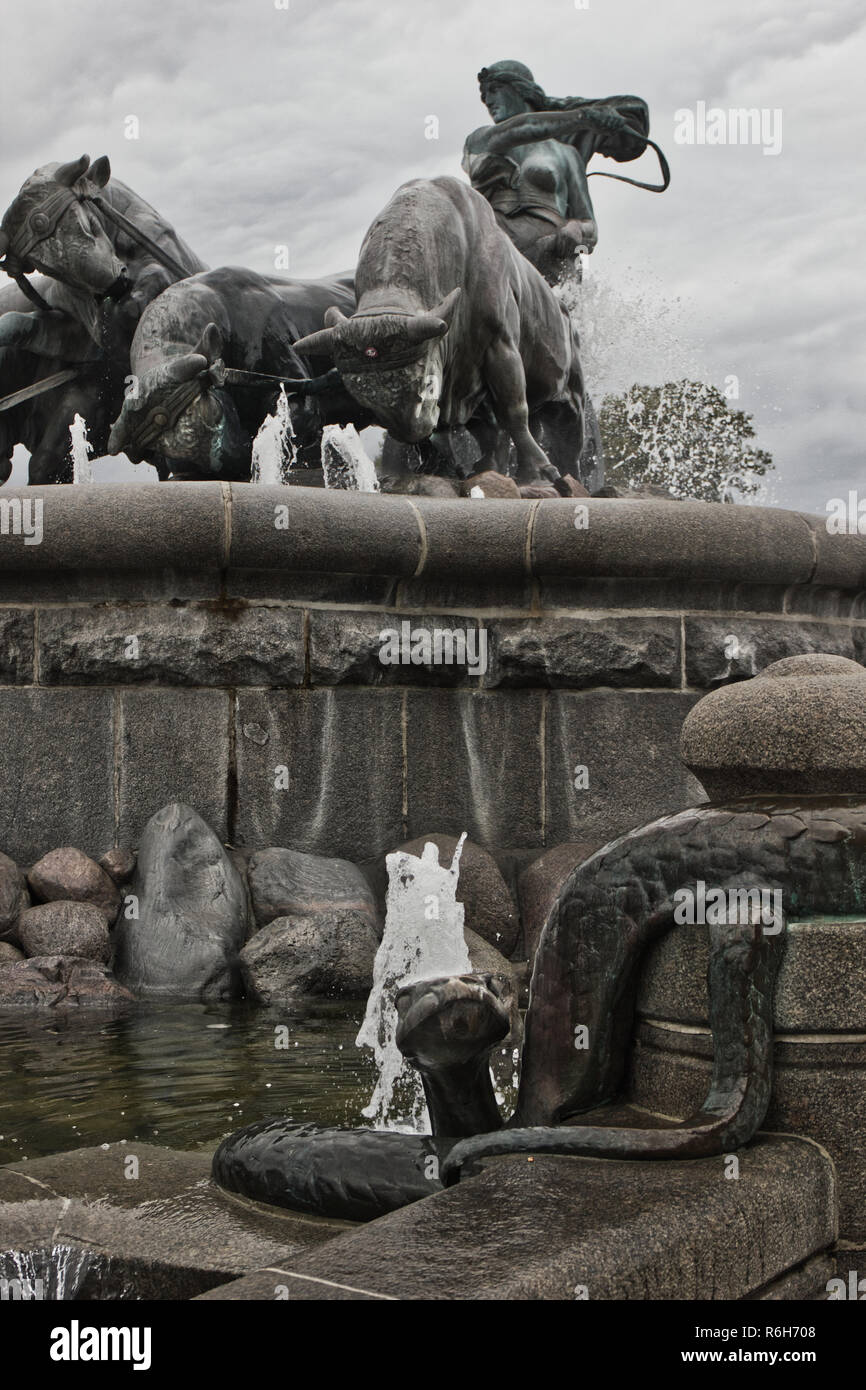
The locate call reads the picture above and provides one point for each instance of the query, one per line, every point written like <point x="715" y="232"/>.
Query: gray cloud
<point x="262" y="126"/>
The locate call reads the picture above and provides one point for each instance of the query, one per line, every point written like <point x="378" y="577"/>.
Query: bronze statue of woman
<point x="531" y="163"/>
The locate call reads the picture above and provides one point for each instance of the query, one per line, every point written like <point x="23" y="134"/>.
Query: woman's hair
<point x="518" y="76"/>
<point x="622" y="141"/>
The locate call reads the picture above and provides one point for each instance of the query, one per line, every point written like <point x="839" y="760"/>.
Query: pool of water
<point x="180" y="1075"/>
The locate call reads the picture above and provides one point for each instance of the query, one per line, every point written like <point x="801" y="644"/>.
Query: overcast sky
<point x="262" y="126"/>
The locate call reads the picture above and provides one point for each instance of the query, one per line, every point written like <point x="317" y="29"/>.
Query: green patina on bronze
<point x="531" y="164"/>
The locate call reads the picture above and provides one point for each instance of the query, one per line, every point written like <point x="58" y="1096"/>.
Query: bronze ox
<point x="205" y="366"/>
<point x="73" y="223"/>
<point x="455" y="328"/>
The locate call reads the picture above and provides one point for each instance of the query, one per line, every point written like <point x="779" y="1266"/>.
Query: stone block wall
<point x="221" y="645"/>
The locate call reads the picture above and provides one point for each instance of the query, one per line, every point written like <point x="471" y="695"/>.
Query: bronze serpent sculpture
<point x="804" y="852"/>
<point x="447" y="1028"/>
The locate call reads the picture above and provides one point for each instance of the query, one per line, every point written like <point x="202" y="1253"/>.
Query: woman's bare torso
<point x="544" y="177"/>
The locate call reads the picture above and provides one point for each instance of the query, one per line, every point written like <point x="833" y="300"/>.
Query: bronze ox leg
<point x="507" y="381"/>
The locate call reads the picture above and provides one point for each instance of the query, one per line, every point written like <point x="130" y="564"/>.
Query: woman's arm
<point x="531" y="126"/>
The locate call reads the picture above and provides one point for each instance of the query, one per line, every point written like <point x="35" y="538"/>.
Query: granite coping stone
<point x="842" y="565"/>
<point x="690" y="541"/>
<point x="116" y="526"/>
<point x="169" y="1215"/>
<point x="526" y="1228"/>
<point x="216" y="526"/>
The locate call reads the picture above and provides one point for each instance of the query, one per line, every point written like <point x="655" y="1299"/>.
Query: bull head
<point x="170" y="411"/>
<point x="343" y="335"/>
<point x="391" y="362"/>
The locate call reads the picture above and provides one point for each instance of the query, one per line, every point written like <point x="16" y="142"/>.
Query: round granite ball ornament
<point x="799" y="726"/>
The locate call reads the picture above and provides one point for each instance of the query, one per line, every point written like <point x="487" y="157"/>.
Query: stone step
<point x="138" y="1220"/>
<point x="553" y="1227"/>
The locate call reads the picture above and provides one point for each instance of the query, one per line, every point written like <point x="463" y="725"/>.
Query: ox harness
<point x="144" y="433"/>
<point x="41" y="223"/>
<point x="38" y="388"/>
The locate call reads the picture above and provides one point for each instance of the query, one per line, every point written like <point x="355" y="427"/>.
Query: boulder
<point x="486" y="960"/>
<point x="61" y="982"/>
<point x="68" y="875"/>
<point x="9" y="954"/>
<point x="492" y="484"/>
<point x="119" y="864"/>
<point x="286" y="883"/>
<point x="193" y="913"/>
<point x="567" y="486"/>
<point x="13" y="897"/>
<point x="539" y="490"/>
<point x="325" y="954"/>
<point x="489" y="907"/>
<point x="419" y="485"/>
<point x="65" y="929"/>
<point x="540" y="884"/>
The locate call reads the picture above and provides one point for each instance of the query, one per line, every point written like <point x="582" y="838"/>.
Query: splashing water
<point x="423" y="938"/>
<point x="630" y="330"/>
<point x="685" y="438"/>
<point x="274" y="445"/>
<point x="634" y="333"/>
<point x="80" y="448"/>
<point x="345" y="461"/>
<point x="56" y="1274"/>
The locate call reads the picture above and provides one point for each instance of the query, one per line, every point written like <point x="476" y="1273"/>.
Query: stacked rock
<point x="55" y="932"/>
<point x="186" y="918"/>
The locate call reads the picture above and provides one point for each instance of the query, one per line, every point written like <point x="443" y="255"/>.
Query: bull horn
<point x="425" y="326"/>
<point x="434" y="324"/>
<point x="322" y="344"/>
<point x="445" y="310"/>
<point x="184" y="368"/>
<point x="70" y="173"/>
<point x="319" y="344"/>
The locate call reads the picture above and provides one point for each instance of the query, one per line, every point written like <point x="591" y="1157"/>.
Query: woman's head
<point x="508" y="89"/>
